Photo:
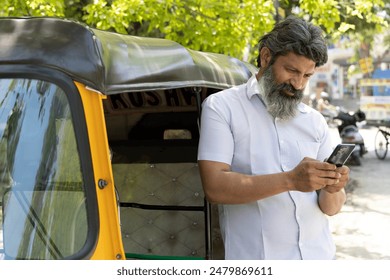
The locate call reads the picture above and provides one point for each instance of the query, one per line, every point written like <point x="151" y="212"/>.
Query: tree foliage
<point x="231" y="27"/>
<point x="32" y="8"/>
<point x="224" y="27"/>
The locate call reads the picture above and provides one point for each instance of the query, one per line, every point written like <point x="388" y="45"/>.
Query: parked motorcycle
<point x="349" y="133"/>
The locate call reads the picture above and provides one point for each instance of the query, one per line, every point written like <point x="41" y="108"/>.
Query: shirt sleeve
<point x="216" y="140"/>
<point x="327" y="144"/>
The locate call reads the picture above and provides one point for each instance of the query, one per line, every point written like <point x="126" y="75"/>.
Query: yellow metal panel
<point x="109" y="245"/>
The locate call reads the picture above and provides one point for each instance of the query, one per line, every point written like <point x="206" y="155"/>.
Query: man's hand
<point x="311" y="175"/>
<point x="343" y="180"/>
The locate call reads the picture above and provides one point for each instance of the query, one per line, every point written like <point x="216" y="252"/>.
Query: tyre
<point x="356" y="159"/>
<point x="381" y="145"/>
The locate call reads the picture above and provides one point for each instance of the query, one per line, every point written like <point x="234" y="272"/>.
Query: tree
<point x="227" y="27"/>
<point x="231" y="27"/>
<point x="358" y="23"/>
<point x="32" y="8"/>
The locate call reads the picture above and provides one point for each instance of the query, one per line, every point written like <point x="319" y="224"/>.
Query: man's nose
<point x="297" y="82"/>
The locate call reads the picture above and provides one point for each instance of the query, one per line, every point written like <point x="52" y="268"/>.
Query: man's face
<point x="283" y="83"/>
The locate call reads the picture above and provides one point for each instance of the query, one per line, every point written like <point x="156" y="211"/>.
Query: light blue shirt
<point x="237" y="129"/>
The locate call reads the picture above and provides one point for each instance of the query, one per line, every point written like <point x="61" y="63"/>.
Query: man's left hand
<point x="343" y="180"/>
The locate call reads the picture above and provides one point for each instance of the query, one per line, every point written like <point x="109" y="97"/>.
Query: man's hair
<point x="295" y="35"/>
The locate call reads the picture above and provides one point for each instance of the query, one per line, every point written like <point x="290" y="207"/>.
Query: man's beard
<point x="279" y="105"/>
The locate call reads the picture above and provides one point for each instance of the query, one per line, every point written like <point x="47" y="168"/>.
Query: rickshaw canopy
<point x="114" y="63"/>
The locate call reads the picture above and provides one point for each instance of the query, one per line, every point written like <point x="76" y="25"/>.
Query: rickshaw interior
<point x="153" y="137"/>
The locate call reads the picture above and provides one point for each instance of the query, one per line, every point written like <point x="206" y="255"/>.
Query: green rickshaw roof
<point x="114" y="63"/>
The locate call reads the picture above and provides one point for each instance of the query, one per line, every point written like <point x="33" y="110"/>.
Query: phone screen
<point x="341" y="154"/>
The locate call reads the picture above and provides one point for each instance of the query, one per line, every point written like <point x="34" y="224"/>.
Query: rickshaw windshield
<point x="42" y="195"/>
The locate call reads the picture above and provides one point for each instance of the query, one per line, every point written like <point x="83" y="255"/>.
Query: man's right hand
<point x="311" y="175"/>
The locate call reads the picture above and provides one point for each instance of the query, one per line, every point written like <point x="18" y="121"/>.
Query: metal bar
<point x="161" y="207"/>
<point x="207" y="205"/>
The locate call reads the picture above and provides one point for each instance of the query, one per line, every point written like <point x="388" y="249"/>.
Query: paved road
<point x="362" y="229"/>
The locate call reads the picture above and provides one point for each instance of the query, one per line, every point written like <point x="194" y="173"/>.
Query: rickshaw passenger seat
<point x="163" y="210"/>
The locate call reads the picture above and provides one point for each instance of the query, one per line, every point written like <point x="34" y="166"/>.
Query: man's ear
<point x="265" y="57"/>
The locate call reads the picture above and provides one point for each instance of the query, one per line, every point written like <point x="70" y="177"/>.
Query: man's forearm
<point x="331" y="203"/>
<point x="221" y="185"/>
<point x="224" y="186"/>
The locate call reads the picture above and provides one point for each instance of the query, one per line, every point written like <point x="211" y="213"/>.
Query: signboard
<point x="376" y="107"/>
<point x="375" y="82"/>
<point x="366" y="65"/>
<point x="183" y="99"/>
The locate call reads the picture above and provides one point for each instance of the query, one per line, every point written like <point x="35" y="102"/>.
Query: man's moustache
<point x="287" y="87"/>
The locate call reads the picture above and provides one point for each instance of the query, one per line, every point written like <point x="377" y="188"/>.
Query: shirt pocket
<point x="308" y="149"/>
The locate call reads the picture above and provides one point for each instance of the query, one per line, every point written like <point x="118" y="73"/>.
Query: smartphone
<point x="341" y="154"/>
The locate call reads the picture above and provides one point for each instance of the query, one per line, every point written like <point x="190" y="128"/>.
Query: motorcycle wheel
<point x="356" y="159"/>
<point x="380" y="145"/>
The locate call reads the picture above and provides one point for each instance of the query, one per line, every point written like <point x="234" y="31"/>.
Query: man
<point x="261" y="154"/>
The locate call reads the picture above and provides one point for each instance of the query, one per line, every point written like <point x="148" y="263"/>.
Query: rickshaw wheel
<point x="380" y="145"/>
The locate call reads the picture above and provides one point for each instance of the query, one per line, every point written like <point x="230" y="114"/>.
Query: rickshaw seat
<point x="163" y="211"/>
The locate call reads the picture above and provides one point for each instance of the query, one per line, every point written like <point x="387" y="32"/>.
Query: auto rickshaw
<point x="98" y="143"/>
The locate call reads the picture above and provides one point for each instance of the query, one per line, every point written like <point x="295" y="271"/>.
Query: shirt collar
<point x="253" y="88"/>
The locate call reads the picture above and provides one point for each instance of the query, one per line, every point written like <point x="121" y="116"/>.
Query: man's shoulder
<point x="233" y="90"/>
<point x="303" y="107"/>
<point x="230" y="93"/>
<point x="312" y="114"/>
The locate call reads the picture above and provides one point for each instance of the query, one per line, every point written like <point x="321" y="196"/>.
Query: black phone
<point x="341" y="154"/>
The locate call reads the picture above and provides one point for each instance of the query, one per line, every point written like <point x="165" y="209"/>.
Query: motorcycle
<point x="349" y="133"/>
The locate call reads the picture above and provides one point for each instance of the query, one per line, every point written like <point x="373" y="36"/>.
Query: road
<point x="362" y="229"/>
